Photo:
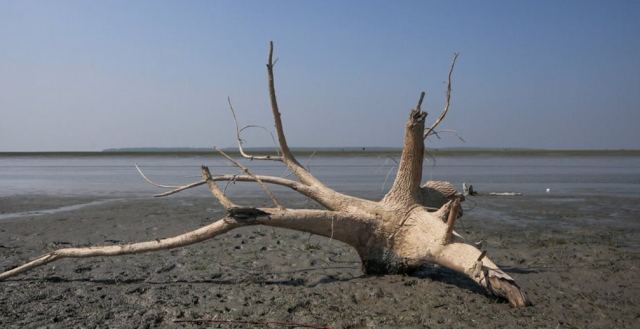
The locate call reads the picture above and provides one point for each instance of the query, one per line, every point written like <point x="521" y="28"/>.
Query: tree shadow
<point x="56" y="279"/>
<point x="520" y="270"/>
<point x="215" y="278"/>
<point x="447" y="276"/>
<point x="432" y="272"/>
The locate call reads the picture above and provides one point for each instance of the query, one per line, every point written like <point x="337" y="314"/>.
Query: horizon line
<point x="329" y="151"/>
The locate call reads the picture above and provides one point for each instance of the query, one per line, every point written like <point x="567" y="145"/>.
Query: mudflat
<point x="578" y="258"/>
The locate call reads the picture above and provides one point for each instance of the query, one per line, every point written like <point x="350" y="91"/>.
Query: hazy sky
<point x="88" y="75"/>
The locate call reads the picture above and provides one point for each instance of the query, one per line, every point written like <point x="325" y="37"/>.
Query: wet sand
<point x="578" y="259"/>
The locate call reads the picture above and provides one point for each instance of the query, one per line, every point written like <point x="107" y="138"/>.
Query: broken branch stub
<point x="413" y="225"/>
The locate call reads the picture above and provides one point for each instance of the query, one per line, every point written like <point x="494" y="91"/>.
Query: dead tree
<point x="410" y="227"/>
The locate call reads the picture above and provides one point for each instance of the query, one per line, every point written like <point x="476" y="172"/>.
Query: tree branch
<point x="215" y="189"/>
<point x="256" y="178"/>
<point x="150" y="181"/>
<point x="240" y="148"/>
<point x="326" y="197"/>
<point x="183" y="187"/>
<point x="473" y="262"/>
<point x="201" y="234"/>
<point x="312" y="221"/>
<point x="298" y="187"/>
<point x="282" y="140"/>
<point x="287" y="157"/>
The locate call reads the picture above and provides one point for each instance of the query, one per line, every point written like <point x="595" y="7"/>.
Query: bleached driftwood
<point x="411" y="226"/>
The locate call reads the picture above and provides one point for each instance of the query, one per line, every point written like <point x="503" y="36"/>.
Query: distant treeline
<point x="333" y="151"/>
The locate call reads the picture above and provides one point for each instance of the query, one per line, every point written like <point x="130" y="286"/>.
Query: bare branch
<point x="240" y="148"/>
<point x="306" y="220"/>
<point x="386" y="177"/>
<point x="180" y="189"/>
<point x="307" y="164"/>
<point x="201" y="234"/>
<point x="447" y="100"/>
<point x="451" y="131"/>
<point x="151" y="182"/>
<point x="284" y="148"/>
<point x="287" y="157"/>
<point x="215" y="189"/>
<point x="257" y="179"/>
<point x="273" y="138"/>
<point x="328" y="200"/>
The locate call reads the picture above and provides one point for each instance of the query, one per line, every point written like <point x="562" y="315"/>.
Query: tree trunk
<point x="411" y="226"/>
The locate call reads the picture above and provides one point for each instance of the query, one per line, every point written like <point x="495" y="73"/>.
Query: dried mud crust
<point x="577" y="258"/>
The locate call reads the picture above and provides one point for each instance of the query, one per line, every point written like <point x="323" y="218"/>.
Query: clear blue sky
<point x="88" y="75"/>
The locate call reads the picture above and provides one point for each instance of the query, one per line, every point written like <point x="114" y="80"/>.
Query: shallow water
<point x="116" y="176"/>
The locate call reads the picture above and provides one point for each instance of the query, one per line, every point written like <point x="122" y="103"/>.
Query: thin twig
<point x="151" y="182"/>
<point x="258" y="180"/>
<point x="180" y="189"/>
<point x="386" y="177"/>
<point x="273" y="137"/>
<point x="308" y="162"/>
<point x="231" y="181"/>
<point x="447" y="100"/>
<point x="451" y="131"/>
<point x="296" y="186"/>
<point x="238" y="130"/>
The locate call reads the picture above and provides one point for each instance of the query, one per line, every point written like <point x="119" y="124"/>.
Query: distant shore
<point x="345" y="151"/>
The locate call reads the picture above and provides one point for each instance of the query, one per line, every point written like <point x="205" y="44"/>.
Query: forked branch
<point x="326" y="197"/>
<point x="239" y="138"/>
<point x="296" y="186"/>
<point x="215" y="189"/>
<point x="256" y="178"/>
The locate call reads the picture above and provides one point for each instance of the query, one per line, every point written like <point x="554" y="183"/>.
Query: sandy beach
<point x="577" y="258"/>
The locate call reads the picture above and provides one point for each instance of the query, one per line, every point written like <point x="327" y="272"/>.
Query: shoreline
<point x="332" y="152"/>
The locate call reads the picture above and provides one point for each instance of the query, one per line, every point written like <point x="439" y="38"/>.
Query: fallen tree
<point x="412" y="226"/>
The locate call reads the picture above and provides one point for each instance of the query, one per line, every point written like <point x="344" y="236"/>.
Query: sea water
<point x="113" y="176"/>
